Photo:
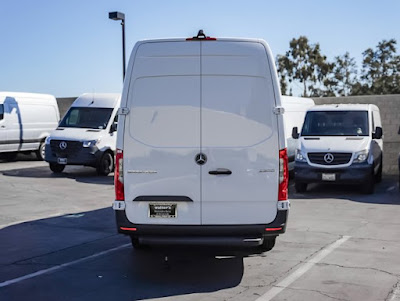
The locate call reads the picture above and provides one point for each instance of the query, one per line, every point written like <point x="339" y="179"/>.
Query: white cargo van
<point x="201" y="149"/>
<point x="340" y="143"/>
<point x="26" y="120"/>
<point x="86" y="135"/>
<point x="295" y="111"/>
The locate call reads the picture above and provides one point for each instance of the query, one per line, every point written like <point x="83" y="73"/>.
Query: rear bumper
<point x="203" y="234"/>
<point x="353" y="174"/>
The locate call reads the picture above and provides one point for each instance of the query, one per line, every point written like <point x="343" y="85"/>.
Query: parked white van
<point x="295" y="111"/>
<point x="340" y="143"/>
<point x="26" y="120"/>
<point x="86" y="135"/>
<point x="201" y="148"/>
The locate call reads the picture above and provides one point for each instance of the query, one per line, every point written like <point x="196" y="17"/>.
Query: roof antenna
<point x="92" y="98"/>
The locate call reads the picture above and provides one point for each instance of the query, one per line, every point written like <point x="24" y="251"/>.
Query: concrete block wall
<point x="389" y="106"/>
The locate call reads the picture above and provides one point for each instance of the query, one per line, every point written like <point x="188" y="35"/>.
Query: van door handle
<point x="220" y="171"/>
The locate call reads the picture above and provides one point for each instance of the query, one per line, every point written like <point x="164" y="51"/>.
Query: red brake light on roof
<point x="119" y="176"/>
<point x="283" y="175"/>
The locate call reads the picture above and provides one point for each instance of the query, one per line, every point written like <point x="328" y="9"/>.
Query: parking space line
<point x="58" y="267"/>
<point x="303" y="269"/>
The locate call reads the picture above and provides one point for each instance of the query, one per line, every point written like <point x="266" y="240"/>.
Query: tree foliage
<point x="381" y="69"/>
<point x="343" y="76"/>
<point x="304" y="64"/>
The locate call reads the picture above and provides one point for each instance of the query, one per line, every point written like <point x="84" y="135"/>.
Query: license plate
<point x="162" y="210"/>
<point x="328" y="177"/>
<point x="62" y="160"/>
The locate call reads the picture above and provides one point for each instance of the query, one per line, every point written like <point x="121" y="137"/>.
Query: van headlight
<point x="361" y="156"/>
<point x="90" y="143"/>
<point x="300" y="156"/>
<point x="47" y="140"/>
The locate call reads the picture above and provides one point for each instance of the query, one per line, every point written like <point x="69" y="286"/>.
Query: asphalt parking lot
<point x="59" y="242"/>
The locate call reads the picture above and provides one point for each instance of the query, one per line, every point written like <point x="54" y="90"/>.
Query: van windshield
<point x="89" y="118"/>
<point x="336" y="123"/>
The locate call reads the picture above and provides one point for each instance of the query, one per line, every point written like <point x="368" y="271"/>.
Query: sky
<point x="70" y="47"/>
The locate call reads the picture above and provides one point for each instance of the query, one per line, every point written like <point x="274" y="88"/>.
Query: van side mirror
<point x="378" y="133"/>
<point x="295" y="133"/>
<point x="113" y="127"/>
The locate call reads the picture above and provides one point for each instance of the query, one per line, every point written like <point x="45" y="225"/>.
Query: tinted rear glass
<point x="336" y="123"/>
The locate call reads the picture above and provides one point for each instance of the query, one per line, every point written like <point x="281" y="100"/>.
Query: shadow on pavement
<point x="123" y="274"/>
<point x="386" y="192"/>
<point x="79" y="173"/>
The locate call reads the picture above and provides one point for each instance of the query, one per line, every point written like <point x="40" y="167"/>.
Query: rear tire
<point x="268" y="244"/>
<point x="40" y="153"/>
<point x="378" y="177"/>
<point x="369" y="185"/>
<point x="300" y="187"/>
<point x="105" y="164"/>
<point x="56" y="168"/>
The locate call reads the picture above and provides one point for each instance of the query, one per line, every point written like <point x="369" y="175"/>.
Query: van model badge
<point x="63" y="145"/>
<point x="201" y="159"/>
<point x="328" y="158"/>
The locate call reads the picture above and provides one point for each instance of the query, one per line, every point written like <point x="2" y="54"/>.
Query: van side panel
<point x="28" y="121"/>
<point x="239" y="133"/>
<point x="162" y="132"/>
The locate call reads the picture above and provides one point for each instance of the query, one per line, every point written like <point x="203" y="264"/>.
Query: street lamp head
<point x="116" y="15"/>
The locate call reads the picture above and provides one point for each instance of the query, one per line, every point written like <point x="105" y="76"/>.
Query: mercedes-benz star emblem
<point x="63" y="145"/>
<point x="328" y="158"/>
<point x="201" y="159"/>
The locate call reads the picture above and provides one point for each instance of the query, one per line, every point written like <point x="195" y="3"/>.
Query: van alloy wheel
<point x="41" y="151"/>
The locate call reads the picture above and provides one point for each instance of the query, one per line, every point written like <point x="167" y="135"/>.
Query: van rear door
<point x="162" y="134"/>
<point x="239" y="134"/>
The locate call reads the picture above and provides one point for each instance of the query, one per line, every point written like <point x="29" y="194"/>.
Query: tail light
<point x="119" y="176"/>
<point x="283" y="175"/>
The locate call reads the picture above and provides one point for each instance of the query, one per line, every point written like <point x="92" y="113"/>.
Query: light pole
<point x="120" y="16"/>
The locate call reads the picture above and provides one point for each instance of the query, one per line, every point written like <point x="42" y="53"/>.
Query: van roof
<point x="296" y="100"/>
<point x="26" y="95"/>
<point x="343" y="107"/>
<point x="97" y="100"/>
<point x="226" y="39"/>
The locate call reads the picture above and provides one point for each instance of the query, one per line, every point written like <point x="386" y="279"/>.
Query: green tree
<point x="343" y="77"/>
<point x="381" y="70"/>
<point x="304" y="63"/>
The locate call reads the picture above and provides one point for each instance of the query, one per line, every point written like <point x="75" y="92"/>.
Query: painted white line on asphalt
<point x="58" y="267"/>
<point x="303" y="269"/>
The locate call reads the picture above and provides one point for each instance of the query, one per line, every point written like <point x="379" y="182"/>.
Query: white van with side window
<point x="295" y="111"/>
<point x="201" y="149"/>
<point x="86" y="135"/>
<point x="340" y="143"/>
<point x="26" y="120"/>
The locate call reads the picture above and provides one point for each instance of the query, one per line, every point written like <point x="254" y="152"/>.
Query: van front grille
<point x="71" y="147"/>
<point x="326" y="158"/>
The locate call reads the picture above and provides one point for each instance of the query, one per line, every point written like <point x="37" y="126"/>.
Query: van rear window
<point x="336" y="123"/>
<point x="1" y="112"/>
